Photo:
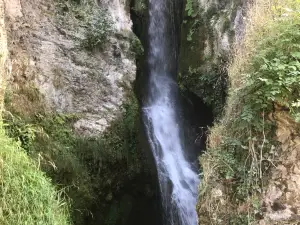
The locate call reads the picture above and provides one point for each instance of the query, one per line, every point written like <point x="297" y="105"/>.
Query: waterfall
<point x="178" y="180"/>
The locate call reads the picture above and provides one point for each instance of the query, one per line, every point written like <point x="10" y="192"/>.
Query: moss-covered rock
<point x="208" y="32"/>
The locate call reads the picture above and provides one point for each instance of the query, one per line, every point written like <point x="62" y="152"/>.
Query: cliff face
<point x="3" y="55"/>
<point x="224" y="24"/>
<point x="281" y="199"/>
<point x="46" y="53"/>
<point x="251" y="167"/>
<point x="209" y="31"/>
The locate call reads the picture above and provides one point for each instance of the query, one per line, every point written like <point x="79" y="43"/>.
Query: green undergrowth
<point x="92" y="171"/>
<point x="27" y="196"/>
<point x="264" y="74"/>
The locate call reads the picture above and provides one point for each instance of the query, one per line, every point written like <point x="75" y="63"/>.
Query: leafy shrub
<point x="136" y="46"/>
<point x="98" y="31"/>
<point x="139" y="6"/>
<point x="97" y="23"/>
<point x="21" y="131"/>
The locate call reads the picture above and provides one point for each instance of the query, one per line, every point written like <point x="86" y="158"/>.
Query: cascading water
<point x="177" y="179"/>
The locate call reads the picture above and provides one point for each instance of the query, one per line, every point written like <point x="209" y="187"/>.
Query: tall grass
<point x="26" y="195"/>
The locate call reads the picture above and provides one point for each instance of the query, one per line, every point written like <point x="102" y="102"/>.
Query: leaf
<point x="296" y="55"/>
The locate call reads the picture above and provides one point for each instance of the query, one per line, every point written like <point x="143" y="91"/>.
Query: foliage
<point x="192" y="8"/>
<point x="27" y="196"/>
<point x="20" y="130"/>
<point x="210" y="86"/>
<point x="263" y="73"/>
<point x="98" y="31"/>
<point x="88" y="168"/>
<point x="189" y="7"/>
<point x="95" y="21"/>
<point x="136" y="46"/>
<point x="139" y="6"/>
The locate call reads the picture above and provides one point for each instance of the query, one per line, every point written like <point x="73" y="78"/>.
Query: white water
<point x="177" y="179"/>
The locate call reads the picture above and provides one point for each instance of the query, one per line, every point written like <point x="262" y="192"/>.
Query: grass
<point x="27" y="196"/>
<point x="89" y="169"/>
<point x="263" y="75"/>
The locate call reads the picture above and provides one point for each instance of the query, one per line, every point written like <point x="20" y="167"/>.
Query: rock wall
<point x="209" y="31"/>
<point x="3" y="55"/>
<point x="45" y="52"/>
<point x="224" y="24"/>
<point x="281" y="198"/>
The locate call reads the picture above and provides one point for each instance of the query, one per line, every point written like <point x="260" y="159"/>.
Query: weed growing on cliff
<point x="20" y="130"/>
<point x="98" y="30"/>
<point x="136" y="46"/>
<point x="264" y="73"/>
<point x="95" y="21"/>
<point x="203" y="71"/>
<point x="140" y="7"/>
<point x="189" y="7"/>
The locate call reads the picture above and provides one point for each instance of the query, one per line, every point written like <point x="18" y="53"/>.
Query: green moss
<point x="203" y="72"/>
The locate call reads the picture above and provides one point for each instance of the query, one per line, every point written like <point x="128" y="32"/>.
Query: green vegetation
<point x="210" y="85"/>
<point x="27" y="196"/>
<point x="98" y="31"/>
<point x="139" y="7"/>
<point x="92" y="171"/>
<point x="264" y="73"/>
<point x="96" y="174"/>
<point x="96" y="22"/>
<point x="136" y="46"/>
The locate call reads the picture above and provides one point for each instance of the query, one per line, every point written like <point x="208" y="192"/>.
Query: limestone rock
<point x="45" y="50"/>
<point x="281" y="199"/>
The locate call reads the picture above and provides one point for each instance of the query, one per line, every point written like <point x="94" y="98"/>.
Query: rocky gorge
<point x="96" y="96"/>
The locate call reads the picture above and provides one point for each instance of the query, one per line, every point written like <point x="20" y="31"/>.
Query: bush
<point x="27" y="196"/>
<point x="98" y="30"/>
